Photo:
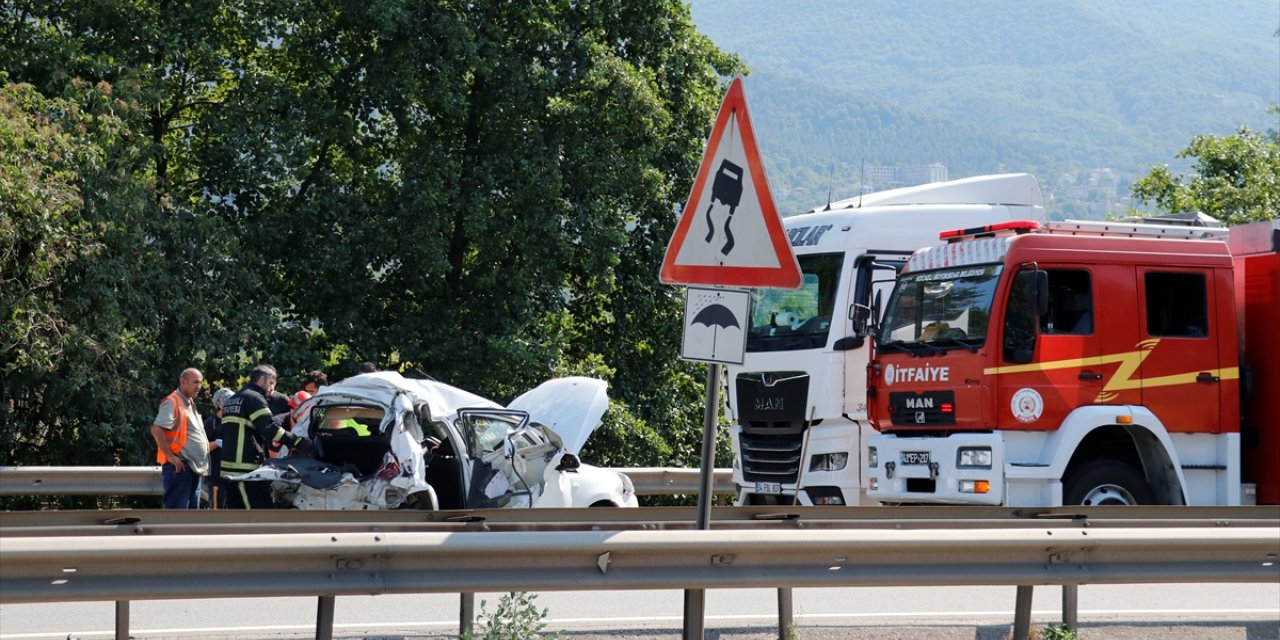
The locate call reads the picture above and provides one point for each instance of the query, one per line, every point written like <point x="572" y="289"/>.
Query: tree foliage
<point x="1236" y="179"/>
<point x="476" y="192"/>
<point x="76" y="319"/>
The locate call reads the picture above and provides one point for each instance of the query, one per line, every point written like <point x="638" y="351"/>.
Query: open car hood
<point x="571" y="407"/>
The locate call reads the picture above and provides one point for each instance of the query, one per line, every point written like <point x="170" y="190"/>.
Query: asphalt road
<point x="1164" y="611"/>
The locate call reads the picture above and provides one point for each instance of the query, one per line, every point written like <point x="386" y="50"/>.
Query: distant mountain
<point x="987" y="85"/>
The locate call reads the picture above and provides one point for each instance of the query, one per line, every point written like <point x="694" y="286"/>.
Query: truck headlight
<point x="873" y="460"/>
<point x="974" y="457"/>
<point x="829" y="461"/>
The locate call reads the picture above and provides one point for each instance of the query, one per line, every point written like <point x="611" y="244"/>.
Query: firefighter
<point x="247" y="431"/>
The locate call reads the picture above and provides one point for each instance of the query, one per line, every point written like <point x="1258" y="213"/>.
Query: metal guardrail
<point x="128" y="555"/>
<point x="139" y="481"/>
<point x="62" y="569"/>
<point x="123" y="555"/>
<point x="206" y="522"/>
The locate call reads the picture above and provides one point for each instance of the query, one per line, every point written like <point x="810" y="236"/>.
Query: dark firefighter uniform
<point x="247" y="430"/>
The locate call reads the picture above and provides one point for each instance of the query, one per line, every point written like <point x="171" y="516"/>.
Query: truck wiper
<point x="914" y="348"/>
<point x="896" y="345"/>
<point x="964" y="342"/>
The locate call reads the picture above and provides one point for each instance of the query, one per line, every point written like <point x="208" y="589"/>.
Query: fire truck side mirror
<point x="1038" y="292"/>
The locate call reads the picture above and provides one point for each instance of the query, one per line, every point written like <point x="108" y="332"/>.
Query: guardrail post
<point x="1070" y="606"/>
<point x="694" y="607"/>
<point x="122" y="620"/>
<point x="1022" y="613"/>
<point x="324" y="618"/>
<point x="466" y="614"/>
<point x="784" y="613"/>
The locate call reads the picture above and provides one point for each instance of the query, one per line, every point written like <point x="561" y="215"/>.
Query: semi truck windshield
<point x="788" y="319"/>
<point x="947" y="308"/>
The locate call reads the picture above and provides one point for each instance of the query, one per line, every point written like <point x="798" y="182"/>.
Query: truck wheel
<point x="1106" y="482"/>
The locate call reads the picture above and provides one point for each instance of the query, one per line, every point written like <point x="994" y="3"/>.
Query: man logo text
<point x="919" y="403"/>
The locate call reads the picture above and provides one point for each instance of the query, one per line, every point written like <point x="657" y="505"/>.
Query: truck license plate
<point x="770" y="488"/>
<point x="915" y="457"/>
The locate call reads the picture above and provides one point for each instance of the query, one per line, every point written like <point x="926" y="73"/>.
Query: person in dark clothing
<point x="280" y="409"/>
<point x="215" y="488"/>
<point x="312" y="382"/>
<point x="247" y="430"/>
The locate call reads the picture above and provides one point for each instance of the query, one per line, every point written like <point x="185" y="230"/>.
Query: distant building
<point x="881" y="178"/>
<point x="1095" y="185"/>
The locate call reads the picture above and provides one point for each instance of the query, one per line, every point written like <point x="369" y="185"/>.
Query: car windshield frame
<point x="793" y="319"/>
<point x="947" y="308"/>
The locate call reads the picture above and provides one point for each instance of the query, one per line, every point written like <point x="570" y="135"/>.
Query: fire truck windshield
<point x="788" y="319"/>
<point x="944" y="308"/>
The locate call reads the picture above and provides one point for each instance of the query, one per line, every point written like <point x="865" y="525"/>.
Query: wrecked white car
<point x="384" y="441"/>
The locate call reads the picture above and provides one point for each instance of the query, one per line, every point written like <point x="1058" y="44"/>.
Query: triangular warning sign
<point x="730" y="233"/>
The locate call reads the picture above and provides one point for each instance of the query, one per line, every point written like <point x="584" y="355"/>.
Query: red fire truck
<point x="1081" y="363"/>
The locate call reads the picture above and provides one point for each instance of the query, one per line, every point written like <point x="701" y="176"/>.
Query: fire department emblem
<point x="888" y="375"/>
<point x="1027" y="405"/>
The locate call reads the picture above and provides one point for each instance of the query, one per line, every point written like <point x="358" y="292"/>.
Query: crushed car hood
<point x="382" y="387"/>
<point x="571" y="407"/>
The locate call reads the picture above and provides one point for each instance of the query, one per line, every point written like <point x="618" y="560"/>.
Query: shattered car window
<point x="488" y="431"/>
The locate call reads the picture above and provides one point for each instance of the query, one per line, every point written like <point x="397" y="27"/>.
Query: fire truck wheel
<point x="1106" y="482"/>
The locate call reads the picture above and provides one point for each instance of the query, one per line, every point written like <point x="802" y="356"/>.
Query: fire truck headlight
<point x="974" y="458"/>
<point x="873" y="460"/>
<point x="829" y="461"/>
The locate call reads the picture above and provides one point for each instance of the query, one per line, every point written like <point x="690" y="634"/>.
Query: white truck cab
<point x="798" y="401"/>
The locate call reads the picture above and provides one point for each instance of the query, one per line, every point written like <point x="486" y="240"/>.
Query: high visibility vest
<point x="350" y="423"/>
<point x="176" y="437"/>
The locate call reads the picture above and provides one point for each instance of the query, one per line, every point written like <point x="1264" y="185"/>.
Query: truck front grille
<point x="771" y="413"/>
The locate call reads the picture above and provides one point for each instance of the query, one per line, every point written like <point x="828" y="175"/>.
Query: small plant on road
<point x="516" y="617"/>
<point x="1053" y="632"/>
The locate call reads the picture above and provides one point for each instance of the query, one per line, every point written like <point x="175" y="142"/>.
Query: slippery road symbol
<point x="727" y="190"/>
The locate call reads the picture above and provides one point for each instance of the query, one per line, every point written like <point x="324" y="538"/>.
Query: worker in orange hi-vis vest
<point x="182" y="451"/>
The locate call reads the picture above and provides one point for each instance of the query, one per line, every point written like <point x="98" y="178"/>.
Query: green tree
<point x="1236" y="179"/>
<point x="480" y="193"/>
<point x="77" y="321"/>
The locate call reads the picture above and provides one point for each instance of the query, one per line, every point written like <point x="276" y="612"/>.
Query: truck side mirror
<point x="859" y="313"/>
<point x="1038" y="292"/>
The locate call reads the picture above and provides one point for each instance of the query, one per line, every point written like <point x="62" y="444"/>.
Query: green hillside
<point x="986" y="86"/>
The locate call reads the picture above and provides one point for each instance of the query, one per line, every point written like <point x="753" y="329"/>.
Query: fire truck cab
<point x="1080" y="363"/>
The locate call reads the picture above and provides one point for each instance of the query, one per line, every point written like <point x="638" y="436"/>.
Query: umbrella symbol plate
<point x="715" y="325"/>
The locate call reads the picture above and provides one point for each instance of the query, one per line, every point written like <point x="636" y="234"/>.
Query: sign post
<point x="729" y="235"/>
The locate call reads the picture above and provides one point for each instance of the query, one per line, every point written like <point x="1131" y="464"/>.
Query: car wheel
<point x="420" y="501"/>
